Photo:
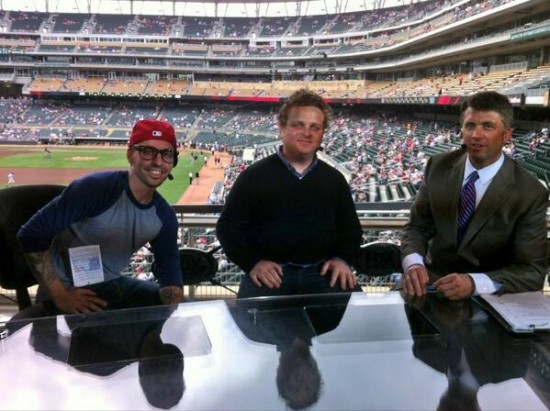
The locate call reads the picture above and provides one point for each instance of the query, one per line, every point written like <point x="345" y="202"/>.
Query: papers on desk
<point x="522" y="312"/>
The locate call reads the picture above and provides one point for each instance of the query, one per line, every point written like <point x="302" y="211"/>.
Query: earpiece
<point x="170" y="176"/>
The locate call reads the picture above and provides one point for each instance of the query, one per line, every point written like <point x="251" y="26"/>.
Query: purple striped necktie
<point x="467" y="204"/>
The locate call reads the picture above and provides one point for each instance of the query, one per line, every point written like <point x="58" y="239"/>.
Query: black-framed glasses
<point x="150" y="153"/>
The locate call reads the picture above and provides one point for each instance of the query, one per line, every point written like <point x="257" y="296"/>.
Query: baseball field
<point x="63" y="164"/>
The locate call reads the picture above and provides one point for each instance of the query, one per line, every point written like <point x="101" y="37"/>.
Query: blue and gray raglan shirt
<point x="100" y="209"/>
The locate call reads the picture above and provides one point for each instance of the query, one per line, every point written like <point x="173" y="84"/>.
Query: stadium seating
<point x="25" y="21"/>
<point x="90" y="85"/>
<point x="176" y="62"/>
<point x="239" y="27"/>
<point x="70" y="22"/>
<point x="42" y="84"/>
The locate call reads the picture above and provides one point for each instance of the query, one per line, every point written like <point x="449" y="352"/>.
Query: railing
<point x="371" y="215"/>
<point x="379" y="221"/>
<point x="382" y="221"/>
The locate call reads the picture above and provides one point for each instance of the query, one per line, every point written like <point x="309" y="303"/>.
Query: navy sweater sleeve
<point x="85" y="197"/>
<point x="165" y="248"/>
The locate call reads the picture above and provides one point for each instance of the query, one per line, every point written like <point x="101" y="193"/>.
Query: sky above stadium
<point x="209" y="8"/>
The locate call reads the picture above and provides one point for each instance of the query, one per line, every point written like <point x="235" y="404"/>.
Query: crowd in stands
<point x="382" y="153"/>
<point x="377" y="152"/>
<point x="112" y="23"/>
<point x="500" y="78"/>
<point x="22" y="21"/>
<point x="381" y="28"/>
<point x="387" y="26"/>
<point x="160" y="25"/>
<point x="387" y="156"/>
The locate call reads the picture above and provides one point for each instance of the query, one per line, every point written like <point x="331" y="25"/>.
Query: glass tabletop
<point x="335" y="351"/>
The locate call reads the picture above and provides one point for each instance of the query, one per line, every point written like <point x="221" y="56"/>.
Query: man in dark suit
<point x="472" y="350"/>
<point x="503" y="247"/>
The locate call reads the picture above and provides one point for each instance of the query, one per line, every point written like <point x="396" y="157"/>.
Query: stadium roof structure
<point x="204" y="8"/>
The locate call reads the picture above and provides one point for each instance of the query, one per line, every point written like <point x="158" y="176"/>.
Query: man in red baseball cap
<point x="152" y="153"/>
<point x="150" y="129"/>
<point x="102" y="219"/>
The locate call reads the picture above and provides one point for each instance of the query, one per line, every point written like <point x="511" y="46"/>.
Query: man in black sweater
<point x="289" y="221"/>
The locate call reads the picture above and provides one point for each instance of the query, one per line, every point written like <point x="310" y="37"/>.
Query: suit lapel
<point x="452" y="182"/>
<point x="493" y="199"/>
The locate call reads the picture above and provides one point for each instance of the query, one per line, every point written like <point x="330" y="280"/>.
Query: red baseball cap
<point x="149" y="129"/>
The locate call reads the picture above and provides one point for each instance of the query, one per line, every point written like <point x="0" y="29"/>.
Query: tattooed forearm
<point x="42" y="267"/>
<point x="171" y="295"/>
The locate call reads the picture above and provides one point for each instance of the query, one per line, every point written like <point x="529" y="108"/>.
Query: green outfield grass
<point x="95" y="159"/>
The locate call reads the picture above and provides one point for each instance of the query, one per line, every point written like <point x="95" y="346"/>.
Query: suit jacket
<point x="506" y="238"/>
<point x="493" y="355"/>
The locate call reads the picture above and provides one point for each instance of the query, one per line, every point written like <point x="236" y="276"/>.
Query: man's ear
<point x="280" y="126"/>
<point x="129" y="155"/>
<point x="508" y="135"/>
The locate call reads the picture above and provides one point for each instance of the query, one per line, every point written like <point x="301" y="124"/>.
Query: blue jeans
<point x="125" y="292"/>
<point x="296" y="280"/>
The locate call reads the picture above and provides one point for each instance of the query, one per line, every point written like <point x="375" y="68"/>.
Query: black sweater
<point x="271" y="214"/>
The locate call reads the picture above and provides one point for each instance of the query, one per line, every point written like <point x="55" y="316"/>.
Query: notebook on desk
<point x="520" y="312"/>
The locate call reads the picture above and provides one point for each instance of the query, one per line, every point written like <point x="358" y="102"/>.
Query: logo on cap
<point x="157" y="133"/>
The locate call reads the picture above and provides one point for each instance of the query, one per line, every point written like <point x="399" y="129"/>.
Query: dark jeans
<point x="123" y="292"/>
<point x="296" y="280"/>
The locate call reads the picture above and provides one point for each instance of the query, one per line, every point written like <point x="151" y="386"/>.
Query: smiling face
<point x="302" y="133"/>
<point x="147" y="175"/>
<point x="485" y="134"/>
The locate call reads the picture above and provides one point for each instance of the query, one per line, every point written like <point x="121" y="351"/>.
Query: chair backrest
<point x="197" y="266"/>
<point x="17" y="205"/>
<point x="378" y="259"/>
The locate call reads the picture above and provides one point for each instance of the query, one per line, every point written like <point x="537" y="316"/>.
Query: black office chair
<point x="379" y="262"/>
<point x="198" y="266"/>
<point x="17" y="205"/>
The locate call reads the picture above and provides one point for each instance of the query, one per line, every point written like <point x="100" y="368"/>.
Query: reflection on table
<point x="325" y="352"/>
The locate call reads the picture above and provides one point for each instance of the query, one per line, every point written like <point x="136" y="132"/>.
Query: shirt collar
<point x="486" y="174"/>
<point x="292" y="169"/>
